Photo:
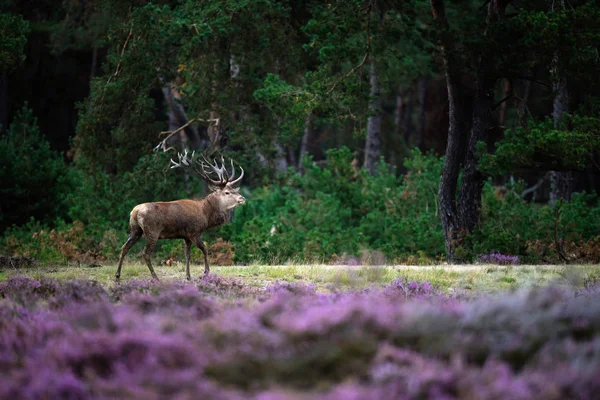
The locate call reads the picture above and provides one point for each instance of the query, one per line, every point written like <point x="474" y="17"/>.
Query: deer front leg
<point x="147" y="255"/>
<point x="133" y="237"/>
<point x="188" y="244"/>
<point x="198" y="241"/>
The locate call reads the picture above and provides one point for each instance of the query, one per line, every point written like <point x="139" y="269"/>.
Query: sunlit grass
<point x="468" y="278"/>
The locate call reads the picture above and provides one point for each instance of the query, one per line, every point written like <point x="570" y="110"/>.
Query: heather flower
<point x="497" y="258"/>
<point x="411" y="289"/>
<point x="298" y="288"/>
<point x="140" y="339"/>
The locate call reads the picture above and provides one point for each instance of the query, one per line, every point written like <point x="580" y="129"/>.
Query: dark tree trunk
<point x="94" y="62"/>
<point x="398" y="113"/>
<point x="458" y="220"/>
<point x="472" y="179"/>
<point x="522" y="108"/>
<point x="504" y="105"/>
<point x="373" y="142"/>
<point x="422" y="94"/>
<point x="560" y="181"/>
<point x="178" y="117"/>
<point x="407" y="119"/>
<point x="308" y="140"/>
<point x="458" y="128"/>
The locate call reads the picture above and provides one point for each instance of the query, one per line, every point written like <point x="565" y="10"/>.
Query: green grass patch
<point x="449" y="278"/>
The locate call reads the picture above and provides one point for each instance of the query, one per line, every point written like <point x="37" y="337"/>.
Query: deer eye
<point x="227" y="193"/>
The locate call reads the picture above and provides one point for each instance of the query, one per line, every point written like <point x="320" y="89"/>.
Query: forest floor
<point x="450" y="278"/>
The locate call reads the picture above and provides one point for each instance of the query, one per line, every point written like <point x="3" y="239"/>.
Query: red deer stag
<point x="185" y="219"/>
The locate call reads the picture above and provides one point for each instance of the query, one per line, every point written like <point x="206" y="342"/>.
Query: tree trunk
<point x="458" y="128"/>
<point x="504" y="105"/>
<point x="458" y="220"/>
<point x="281" y="163"/>
<point x="398" y="110"/>
<point x="308" y="140"/>
<point x="407" y="119"/>
<point x="560" y="181"/>
<point x="472" y="179"/>
<point x="178" y="117"/>
<point x="422" y="94"/>
<point x="373" y="142"/>
<point x="522" y="109"/>
<point x="94" y="62"/>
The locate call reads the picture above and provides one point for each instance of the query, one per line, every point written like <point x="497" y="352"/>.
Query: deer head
<point x="219" y="180"/>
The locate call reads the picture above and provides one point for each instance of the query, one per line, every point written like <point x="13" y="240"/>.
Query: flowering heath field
<point x="218" y="338"/>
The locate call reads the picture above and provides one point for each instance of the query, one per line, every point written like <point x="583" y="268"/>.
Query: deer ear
<point x="213" y="188"/>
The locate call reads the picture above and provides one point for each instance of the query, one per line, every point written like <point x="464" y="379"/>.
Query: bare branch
<point x="163" y="144"/>
<point x="121" y="56"/>
<point x="367" y="51"/>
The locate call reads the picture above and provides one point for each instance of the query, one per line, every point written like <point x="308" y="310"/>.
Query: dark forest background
<point x="390" y="131"/>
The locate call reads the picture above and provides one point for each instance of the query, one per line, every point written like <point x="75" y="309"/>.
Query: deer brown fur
<point x="184" y="219"/>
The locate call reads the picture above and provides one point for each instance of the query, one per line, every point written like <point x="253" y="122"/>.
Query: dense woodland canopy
<point x="411" y="130"/>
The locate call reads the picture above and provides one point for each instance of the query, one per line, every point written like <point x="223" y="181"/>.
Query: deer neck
<point x="216" y="215"/>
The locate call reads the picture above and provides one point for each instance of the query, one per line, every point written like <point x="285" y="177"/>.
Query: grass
<point x="467" y="278"/>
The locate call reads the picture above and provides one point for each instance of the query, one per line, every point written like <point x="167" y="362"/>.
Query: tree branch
<point x="531" y="79"/>
<point x="367" y="51"/>
<point x="502" y="101"/>
<point x="121" y="56"/>
<point x="163" y="144"/>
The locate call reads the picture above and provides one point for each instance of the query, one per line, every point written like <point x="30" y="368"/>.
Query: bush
<point x="334" y="210"/>
<point x="34" y="180"/>
<point x="330" y="213"/>
<point x="514" y="227"/>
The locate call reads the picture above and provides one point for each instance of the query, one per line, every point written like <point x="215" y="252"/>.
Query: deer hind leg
<point x="134" y="236"/>
<point x="147" y="255"/>
<point x="198" y="241"/>
<point x="188" y="244"/>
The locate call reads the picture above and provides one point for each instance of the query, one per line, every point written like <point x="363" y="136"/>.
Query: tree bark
<point x="472" y="179"/>
<point x="459" y="219"/>
<point x="373" y="142"/>
<point x="458" y="128"/>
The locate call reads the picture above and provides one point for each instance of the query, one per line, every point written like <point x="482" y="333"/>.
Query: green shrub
<point x="327" y="214"/>
<point x="338" y="210"/>
<point x="513" y="226"/>
<point x="34" y="180"/>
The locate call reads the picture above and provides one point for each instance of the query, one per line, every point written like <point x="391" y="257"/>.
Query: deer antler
<point x="205" y="169"/>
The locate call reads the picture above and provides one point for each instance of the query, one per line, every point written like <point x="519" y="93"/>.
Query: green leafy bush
<point x="329" y="214"/>
<point x="513" y="226"/>
<point x="336" y="209"/>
